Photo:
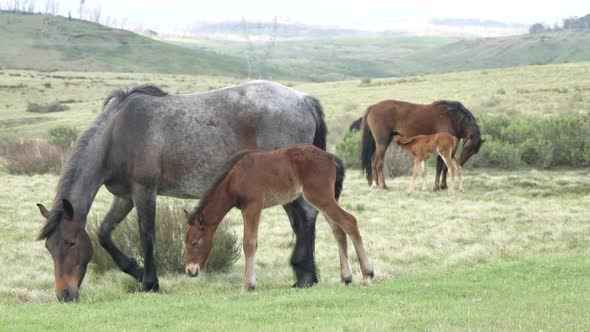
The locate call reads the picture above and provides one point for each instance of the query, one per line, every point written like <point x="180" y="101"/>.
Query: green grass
<point x="53" y="43"/>
<point x="538" y="293"/>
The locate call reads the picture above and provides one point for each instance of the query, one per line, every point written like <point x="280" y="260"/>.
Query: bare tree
<point x="258" y="54"/>
<point x="95" y="14"/>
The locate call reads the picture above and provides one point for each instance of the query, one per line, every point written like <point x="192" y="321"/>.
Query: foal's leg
<point x="423" y="166"/>
<point x="440" y="170"/>
<point x="330" y="208"/>
<point x="451" y="166"/>
<point x="460" y="173"/>
<point x="145" y="205"/>
<point x="251" y="216"/>
<point x="414" y="175"/>
<point x="340" y="236"/>
<point x="119" y="210"/>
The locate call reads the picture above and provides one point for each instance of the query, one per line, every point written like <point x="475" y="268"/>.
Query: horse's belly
<point x="278" y="197"/>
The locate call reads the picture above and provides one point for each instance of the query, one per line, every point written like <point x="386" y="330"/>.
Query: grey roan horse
<point x="147" y="143"/>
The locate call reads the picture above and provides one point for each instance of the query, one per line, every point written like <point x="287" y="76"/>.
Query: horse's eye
<point x="70" y="243"/>
<point x="195" y="244"/>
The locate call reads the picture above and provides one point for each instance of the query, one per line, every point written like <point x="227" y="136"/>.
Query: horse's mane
<point x="70" y="171"/>
<point x="224" y="169"/>
<point x="457" y="112"/>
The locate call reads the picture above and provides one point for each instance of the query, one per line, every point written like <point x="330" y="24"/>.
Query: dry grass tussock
<point x="32" y="157"/>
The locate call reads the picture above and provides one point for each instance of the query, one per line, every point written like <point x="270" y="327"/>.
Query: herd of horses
<point x="250" y="146"/>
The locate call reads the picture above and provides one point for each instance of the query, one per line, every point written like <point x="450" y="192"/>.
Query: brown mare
<point x="422" y="146"/>
<point x="382" y="119"/>
<point x="253" y="181"/>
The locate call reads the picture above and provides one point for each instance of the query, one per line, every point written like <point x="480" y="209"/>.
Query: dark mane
<point x="457" y="112"/>
<point x="224" y="169"/>
<point x="70" y="170"/>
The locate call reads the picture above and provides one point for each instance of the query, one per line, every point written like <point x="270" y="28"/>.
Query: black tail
<point x="340" y="172"/>
<point x="367" y="148"/>
<point x="321" y="130"/>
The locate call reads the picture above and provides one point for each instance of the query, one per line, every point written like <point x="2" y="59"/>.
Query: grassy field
<point x="53" y="43"/>
<point x="532" y="90"/>
<point x="510" y="253"/>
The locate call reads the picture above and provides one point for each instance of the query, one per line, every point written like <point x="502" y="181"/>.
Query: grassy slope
<point x="343" y="58"/>
<point x="54" y="43"/>
<point x="540" y="293"/>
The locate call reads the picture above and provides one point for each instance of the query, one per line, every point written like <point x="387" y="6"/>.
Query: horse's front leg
<point x="302" y="217"/>
<point x="120" y="208"/>
<point x="440" y="169"/>
<point x="251" y="216"/>
<point x="145" y="204"/>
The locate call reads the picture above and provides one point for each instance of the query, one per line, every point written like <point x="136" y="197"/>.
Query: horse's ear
<point x="187" y="215"/>
<point x="68" y="209"/>
<point x="44" y="212"/>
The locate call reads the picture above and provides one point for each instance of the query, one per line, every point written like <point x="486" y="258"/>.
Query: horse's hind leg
<point x="330" y="208"/>
<point x="374" y="175"/>
<point x="302" y="217"/>
<point x="423" y="166"/>
<point x="145" y="206"/>
<point x="441" y="169"/>
<point x="119" y="210"/>
<point x="380" y="161"/>
<point x="451" y="166"/>
<point x="340" y="236"/>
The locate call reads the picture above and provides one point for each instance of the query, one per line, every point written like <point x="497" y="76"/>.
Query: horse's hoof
<point x="153" y="286"/>
<point x="249" y="288"/>
<point x="347" y="281"/>
<point x="367" y="281"/>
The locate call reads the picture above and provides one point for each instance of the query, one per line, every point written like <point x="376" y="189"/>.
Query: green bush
<point x="169" y="250"/>
<point x="497" y="154"/>
<point x="63" y="136"/>
<point x="46" y="108"/>
<point x="349" y="149"/>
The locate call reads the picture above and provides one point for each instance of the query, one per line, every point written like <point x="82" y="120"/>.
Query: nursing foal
<point x="422" y="146"/>
<point x="255" y="180"/>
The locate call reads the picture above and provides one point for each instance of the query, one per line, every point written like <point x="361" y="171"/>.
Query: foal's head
<point x="69" y="245"/>
<point x="198" y="242"/>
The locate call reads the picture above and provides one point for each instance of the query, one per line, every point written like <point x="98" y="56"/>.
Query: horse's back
<point x="179" y="141"/>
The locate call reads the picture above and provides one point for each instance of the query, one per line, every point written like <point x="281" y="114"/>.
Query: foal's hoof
<point x="248" y="288"/>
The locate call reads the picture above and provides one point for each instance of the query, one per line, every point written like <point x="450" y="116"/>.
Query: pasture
<point x="510" y="253"/>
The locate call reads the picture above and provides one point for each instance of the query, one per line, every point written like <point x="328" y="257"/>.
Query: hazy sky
<point x="158" y="13"/>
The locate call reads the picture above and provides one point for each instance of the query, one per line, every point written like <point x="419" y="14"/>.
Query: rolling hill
<point x="49" y="43"/>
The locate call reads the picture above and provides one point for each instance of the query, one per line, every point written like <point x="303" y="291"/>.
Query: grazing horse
<point x="147" y="142"/>
<point x="422" y="146"/>
<point x="253" y="181"/>
<point x="382" y="119"/>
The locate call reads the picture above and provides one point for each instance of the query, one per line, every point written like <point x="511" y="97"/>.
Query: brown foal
<point x="253" y="181"/>
<point x="422" y="146"/>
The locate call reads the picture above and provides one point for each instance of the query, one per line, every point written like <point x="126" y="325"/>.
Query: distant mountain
<point x="55" y="43"/>
<point x="459" y="22"/>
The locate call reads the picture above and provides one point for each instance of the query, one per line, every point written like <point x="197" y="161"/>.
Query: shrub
<point x="501" y="91"/>
<point x="349" y="149"/>
<point x="366" y="81"/>
<point x="497" y="154"/>
<point x="47" y="108"/>
<point x="169" y="250"/>
<point x="33" y="157"/>
<point x="63" y="136"/>
<point x="398" y="161"/>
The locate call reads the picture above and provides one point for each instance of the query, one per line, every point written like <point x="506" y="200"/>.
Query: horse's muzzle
<point x="68" y="295"/>
<point x="192" y="270"/>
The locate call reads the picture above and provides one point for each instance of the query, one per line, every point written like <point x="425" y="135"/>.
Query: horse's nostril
<point x="66" y="296"/>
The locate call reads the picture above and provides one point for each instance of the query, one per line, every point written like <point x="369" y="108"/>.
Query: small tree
<point x="537" y="28"/>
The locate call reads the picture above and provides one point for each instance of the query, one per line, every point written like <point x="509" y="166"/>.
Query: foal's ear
<point x="44" y="212"/>
<point x="187" y="215"/>
<point x="68" y="209"/>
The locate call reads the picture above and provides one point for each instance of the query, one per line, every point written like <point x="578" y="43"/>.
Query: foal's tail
<point x="321" y="130"/>
<point x="340" y="170"/>
<point x="367" y="148"/>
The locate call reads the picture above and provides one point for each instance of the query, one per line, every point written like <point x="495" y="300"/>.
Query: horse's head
<point x="198" y="242"/>
<point x="471" y="146"/>
<point x="70" y="247"/>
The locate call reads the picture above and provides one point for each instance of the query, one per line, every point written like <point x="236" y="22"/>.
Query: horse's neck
<point x="85" y="173"/>
<point x="218" y="204"/>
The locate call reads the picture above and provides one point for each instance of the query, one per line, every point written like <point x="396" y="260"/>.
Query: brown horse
<point x="422" y="146"/>
<point x="382" y="119"/>
<point x="253" y="181"/>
